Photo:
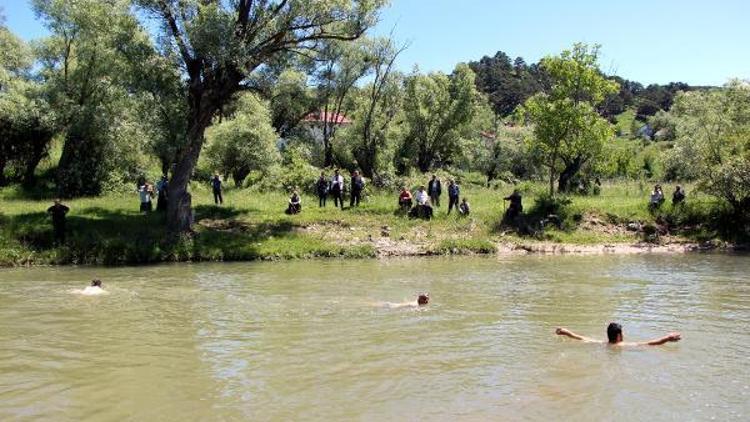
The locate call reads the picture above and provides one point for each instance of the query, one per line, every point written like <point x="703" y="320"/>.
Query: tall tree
<point x="26" y="121"/>
<point x="220" y="43"/>
<point x="567" y="130"/>
<point x="437" y="108"/>
<point x="341" y="66"/>
<point x="84" y="67"/>
<point x="378" y="106"/>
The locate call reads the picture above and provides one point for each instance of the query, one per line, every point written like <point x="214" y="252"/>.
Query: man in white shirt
<point x="422" y="197"/>
<point x="423" y="208"/>
<point x="337" y="189"/>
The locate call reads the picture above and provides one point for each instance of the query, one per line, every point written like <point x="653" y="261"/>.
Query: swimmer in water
<point x="422" y="300"/>
<point x="93" y="290"/>
<point x="614" y="337"/>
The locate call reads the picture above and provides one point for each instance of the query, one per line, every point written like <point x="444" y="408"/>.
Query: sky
<point x="649" y="41"/>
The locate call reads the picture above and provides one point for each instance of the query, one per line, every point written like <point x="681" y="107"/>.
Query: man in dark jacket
<point x="453" y="192"/>
<point x="216" y="185"/>
<point x="58" y="212"/>
<point x="434" y="189"/>
<point x="678" y="196"/>
<point x="516" y="207"/>
<point x="358" y="184"/>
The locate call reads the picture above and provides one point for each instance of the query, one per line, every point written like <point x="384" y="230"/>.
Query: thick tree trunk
<point x="3" y="162"/>
<point x="40" y="150"/>
<point x="571" y="169"/>
<point x="179" y="204"/>
<point x="424" y="160"/>
<point x="80" y="170"/>
<point x="328" y="153"/>
<point x="552" y="181"/>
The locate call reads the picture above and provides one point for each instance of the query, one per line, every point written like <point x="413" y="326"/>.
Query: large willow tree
<point x="218" y="44"/>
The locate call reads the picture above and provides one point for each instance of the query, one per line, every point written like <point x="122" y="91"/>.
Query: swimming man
<point x="94" y="289"/>
<point x="614" y="337"/>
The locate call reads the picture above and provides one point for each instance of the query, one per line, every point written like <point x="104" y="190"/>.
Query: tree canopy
<point x="568" y="132"/>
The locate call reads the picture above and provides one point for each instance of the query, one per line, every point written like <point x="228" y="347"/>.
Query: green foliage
<point x="713" y="141"/>
<point x="504" y="155"/>
<point x="568" y="131"/>
<point x="85" y="66"/>
<point x="291" y="100"/>
<point x="437" y="109"/>
<point x="244" y="142"/>
<point x="374" y="133"/>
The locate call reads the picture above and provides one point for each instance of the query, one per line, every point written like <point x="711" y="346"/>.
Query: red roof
<point x="327" y="117"/>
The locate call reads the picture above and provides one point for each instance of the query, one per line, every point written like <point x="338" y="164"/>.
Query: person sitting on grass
<point x="614" y="337"/>
<point x="405" y="201"/>
<point x="295" y="204"/>
<point x="423" y="209"/>
<point x="678" y="197"/>
<point x="463" y="207"/>
<point x="657" y="198"/>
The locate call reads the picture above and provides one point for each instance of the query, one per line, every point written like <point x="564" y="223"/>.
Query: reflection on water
<point x="306" y="340"/>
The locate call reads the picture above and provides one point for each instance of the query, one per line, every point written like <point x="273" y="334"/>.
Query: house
<point x="316" y="121"/>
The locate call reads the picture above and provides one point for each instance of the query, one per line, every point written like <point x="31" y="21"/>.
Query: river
<point x="311" y="340"/>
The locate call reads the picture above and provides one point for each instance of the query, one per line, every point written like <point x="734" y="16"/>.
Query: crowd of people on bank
<point x="419" y="204"/>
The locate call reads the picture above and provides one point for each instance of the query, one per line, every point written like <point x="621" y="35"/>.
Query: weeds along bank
<point x="252" y="225"/>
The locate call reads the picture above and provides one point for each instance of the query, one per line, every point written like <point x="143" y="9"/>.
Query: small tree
<point x="567" y="130"/>
<point x="244" y="142"/>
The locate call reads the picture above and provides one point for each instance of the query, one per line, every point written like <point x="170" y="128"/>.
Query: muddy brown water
<point x="310" y="340"/>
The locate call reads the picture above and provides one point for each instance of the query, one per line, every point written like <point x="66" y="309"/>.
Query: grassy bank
<point x="109" y="230"/>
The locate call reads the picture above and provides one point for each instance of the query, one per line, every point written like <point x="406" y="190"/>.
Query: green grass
<point x="109" y="230"/>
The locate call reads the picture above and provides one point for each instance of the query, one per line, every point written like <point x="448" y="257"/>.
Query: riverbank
<point x="109" y="230"/>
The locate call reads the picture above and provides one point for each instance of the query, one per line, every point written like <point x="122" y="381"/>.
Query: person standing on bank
<point x="216" y="185"/>
<point x="58" y="212"/>
<point x="678" y="197"/>
<point x="322" y="189"/>
<point x="516" y="206"/>
<point x="146" y="192"/>
<point x="162" y="189"/>
<point x="453" y="193"/>
<point x="358" y="184"/>
<point x="434" y="189"/>
<point x="337" y="189"/>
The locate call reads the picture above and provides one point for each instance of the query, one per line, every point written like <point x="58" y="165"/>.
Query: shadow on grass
<point x="97" y="235"/>
<point x="216" y="212"/>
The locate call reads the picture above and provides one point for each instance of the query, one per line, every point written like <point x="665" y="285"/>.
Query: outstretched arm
<point x="666" y="339"/>
<point x="567" y="333"/>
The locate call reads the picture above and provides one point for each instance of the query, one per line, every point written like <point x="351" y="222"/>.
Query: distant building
<point x="314" y="123"/>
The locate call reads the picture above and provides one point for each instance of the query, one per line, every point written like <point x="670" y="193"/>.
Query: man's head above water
<point x="614" y="333"/>
<point x="423" y="299"/>
<point x="96" y="283"/>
